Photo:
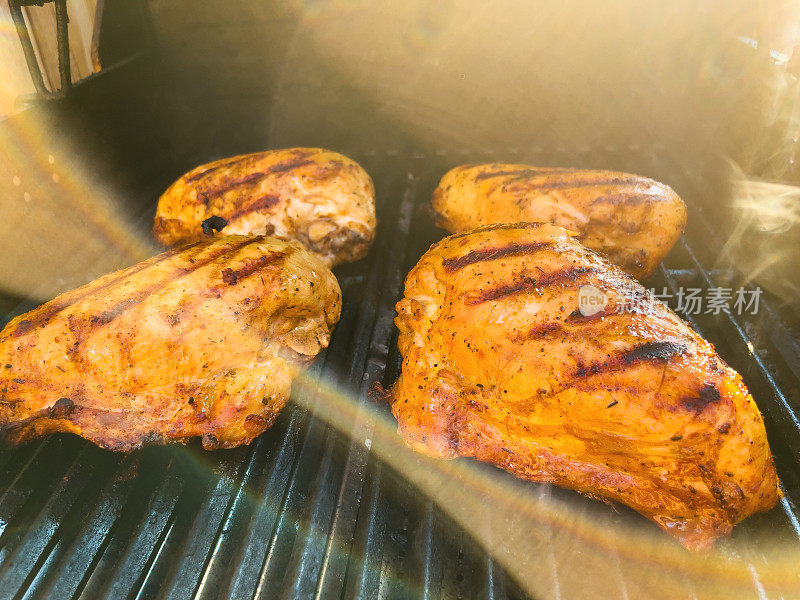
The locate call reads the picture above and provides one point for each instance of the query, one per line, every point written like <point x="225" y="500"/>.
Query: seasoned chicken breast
<point x="201" y="341"/>
<point x="619" y="399"/>
<point x="632" y="220"/>
<point x="321" y="198"/>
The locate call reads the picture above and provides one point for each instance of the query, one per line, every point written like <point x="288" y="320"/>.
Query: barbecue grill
<point x="328" y="503"/>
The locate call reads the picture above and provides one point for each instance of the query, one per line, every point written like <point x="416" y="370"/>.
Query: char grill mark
<point x="222" y="164"/>
<point x="119" y="308"/>
<point x="653" y="351"/>
<point x="493" y="227"/>
<point x="202" y="174"/>
<point x="576" y="317"/>
<point x="44" y="314"/>
<point x="552" y="329"/>
<point x="215" y="191"/>
<point x="708" y="394"/>
<point x="229" y="276"/>
<point x="452" y="265"/>
<point x="212" y="193"/>
<point x="233" y="276"/>
<point x="543" y="331"/>
<point x="529" y="284"/>
<point x="265" y="202"/>
<point x="288" y="165"/>
<point x="546" y="186"/>
<point x="660" y="352"/>
<point x="517" y="173"/>
<point x="107" y="316"/>
<point x="222" y="253"/>
<point x="631" y="197"/>
<point x="248" y="160"/>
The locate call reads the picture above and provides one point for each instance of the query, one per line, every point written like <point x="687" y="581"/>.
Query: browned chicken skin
<point x="201" y="341"/>
<point x="630" y="405"/>
<point x="321" y="198"/>
<point x="632" y="220"/>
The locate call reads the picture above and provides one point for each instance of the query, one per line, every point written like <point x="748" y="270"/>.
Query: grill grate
<point x="305" y="511"/>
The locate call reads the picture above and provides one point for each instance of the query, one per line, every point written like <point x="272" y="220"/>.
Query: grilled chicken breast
<point x="624" y="402"/>
<point x="632" y="220"/>
<point x="321" y="198"/>
<point x="201" y="341"/>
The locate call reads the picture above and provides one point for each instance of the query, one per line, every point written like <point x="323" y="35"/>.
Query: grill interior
<point x="305" y="511"/>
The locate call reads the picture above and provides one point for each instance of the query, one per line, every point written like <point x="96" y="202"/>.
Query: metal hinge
<point x="62" y="37"/>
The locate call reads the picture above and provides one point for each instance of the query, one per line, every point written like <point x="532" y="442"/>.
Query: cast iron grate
<point x="305" y="512"/>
